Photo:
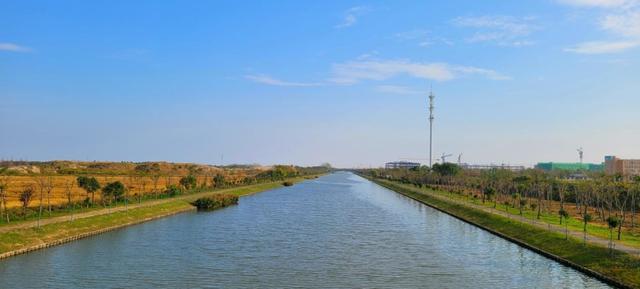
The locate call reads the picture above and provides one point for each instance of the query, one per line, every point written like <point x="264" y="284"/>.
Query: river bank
<point x="26" y="237"/>
<point x="619" y="269"/>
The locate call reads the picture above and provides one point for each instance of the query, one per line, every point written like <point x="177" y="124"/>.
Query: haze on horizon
<point x="344" y="82"/>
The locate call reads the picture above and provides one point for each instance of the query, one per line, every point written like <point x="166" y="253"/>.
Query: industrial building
<point x="624" y="167"/>
<point x="401" y="165"/>
<point x="492" y="166"/>
<point x="552" y="166"/>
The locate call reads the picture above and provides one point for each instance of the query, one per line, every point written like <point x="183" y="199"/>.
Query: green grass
<point x="23" y="238"/>
<point x="619" y="266"/>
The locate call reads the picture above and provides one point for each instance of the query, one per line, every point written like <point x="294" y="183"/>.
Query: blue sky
<point x="307" y="82"/>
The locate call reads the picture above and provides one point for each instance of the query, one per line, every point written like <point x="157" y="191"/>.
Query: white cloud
<point x="268" y="80"/>
<point x="14" y="47"/>
<point x="396" y="89"/>
<point x="602" y="47"/>
<point x="620" y="18"/>
<point x="501" y="30"/>
<point x="351" y="16"/>
<point x="625" y="24"/>
<point x="600" y="3"/>
<point x="354" y="71"/>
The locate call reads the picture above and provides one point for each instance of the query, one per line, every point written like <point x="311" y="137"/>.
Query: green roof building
<point x="551" y="166"/>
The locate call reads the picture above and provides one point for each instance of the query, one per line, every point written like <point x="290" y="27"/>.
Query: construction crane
<point x="581" y="154"/>
<point x="444" y="157"/>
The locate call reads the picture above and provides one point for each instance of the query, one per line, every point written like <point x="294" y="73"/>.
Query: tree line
<point x="611" y="199"/>
<point x="117" y="192"/>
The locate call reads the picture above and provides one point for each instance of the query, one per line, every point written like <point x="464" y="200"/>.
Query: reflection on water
<point x="338" y="231"/>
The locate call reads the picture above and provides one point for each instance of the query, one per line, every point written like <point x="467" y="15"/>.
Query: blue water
<point x="338" y="231"/>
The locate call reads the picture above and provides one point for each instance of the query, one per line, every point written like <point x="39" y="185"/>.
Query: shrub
<point x="114" y="191"/>
<point x="172" y="190"/>
<point x="215" y="201"/>
<point x="188" y="182"/>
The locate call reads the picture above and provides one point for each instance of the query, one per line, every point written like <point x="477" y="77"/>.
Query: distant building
<point x="492" y="166"/>
<point x="577" y="176"/>
<point x="401" y="165"/>
<point x="625" y="167"/>
<point x="551" y="166"/>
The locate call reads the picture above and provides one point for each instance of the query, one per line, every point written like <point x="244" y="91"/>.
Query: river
<point x="337" y="231"/>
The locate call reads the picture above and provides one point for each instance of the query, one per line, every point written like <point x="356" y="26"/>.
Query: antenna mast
<point x="581" y="154"/>
<point x="431" y="107"/>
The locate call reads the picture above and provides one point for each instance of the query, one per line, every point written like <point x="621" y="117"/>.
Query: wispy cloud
<point x="397" y="89"/>
<point x="619" y="18"/>
<point x="625" y="24"/>
<point x="351" y="16"/>
<point x="268" y="80"/>
<point x="12" y="47"/>
<point x="501" y="30"/>
<point x="354" y="71"/>
<point x="600" y="3"/>
<point x="602" y="47"/>
<point x="423" y="38"/>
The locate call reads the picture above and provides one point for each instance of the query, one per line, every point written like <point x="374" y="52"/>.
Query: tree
<point x="621" y="200"/>
<point x="188" y="182"/>
<point x="219" y="181"/>
<point x="586" y="218"/>
<point x="613" y="223"/>
<point x="446" y="169"/>
<point x="49" y="188"/>
<point x="25" y="198"/>
<point x="172" y="190"/>
<point x="45" y="185"/>
<point x="69" y="192"/>
<point x="4" y="189"/>
<point x="113" y="191"/>
<point x="488" y="192"/>
<point x="564" y="215"/>
<point x="90" y="185"/>
<point x="155" y="178"/>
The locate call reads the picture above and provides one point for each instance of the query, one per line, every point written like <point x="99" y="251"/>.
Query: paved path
<point x="98" y="212"/>
<point x="556" y="228"/>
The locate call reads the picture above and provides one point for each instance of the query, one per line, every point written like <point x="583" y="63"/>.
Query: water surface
<point x="338" y="231"/>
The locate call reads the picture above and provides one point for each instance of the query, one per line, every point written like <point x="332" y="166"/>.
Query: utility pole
<point x="431" y="107"/>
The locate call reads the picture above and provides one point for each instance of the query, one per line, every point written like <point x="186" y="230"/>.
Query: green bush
<point x="214" y="202"/>
<point x="172" y="190"/>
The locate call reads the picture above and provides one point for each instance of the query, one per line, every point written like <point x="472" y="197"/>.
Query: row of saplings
<point x="112" y="192"/>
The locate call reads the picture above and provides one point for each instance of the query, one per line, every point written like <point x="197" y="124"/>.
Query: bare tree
<point x="25" y="198"/>
<point x="49" y="188"/>
<point x="42" y="186"/>
<point x="69" y="192"/>
<point x="4" y="191"/>
<point x="621" y="201"/>
<point x="155" y="178"/>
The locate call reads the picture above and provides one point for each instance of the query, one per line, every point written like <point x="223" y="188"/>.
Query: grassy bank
<point x="27" y="239"/>
<point x="618" y="268"/>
